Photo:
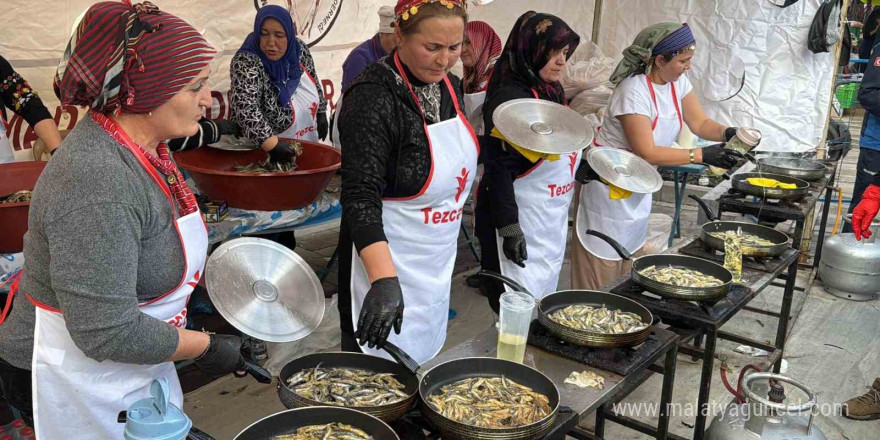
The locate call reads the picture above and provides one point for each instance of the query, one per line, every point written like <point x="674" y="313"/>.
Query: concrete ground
<point x="831" y="347"/>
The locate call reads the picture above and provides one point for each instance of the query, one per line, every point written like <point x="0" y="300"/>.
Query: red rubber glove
<point x="865" y="212"/>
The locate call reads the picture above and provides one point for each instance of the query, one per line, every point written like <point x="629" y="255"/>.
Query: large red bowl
<point x="212" y="170"/>
<point x="15" y="177"/>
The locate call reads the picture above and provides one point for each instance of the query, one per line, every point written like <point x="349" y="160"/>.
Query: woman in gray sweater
<point x="115" y="243"/>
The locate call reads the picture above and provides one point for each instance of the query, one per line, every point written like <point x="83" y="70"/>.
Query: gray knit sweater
<point x="100" y="239"/>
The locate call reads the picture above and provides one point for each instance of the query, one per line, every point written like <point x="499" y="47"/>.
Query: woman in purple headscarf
<point x="649" y="107"/>
<point x="275" y="94"/>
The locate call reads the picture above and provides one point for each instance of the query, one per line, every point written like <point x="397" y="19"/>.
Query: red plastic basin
<point x="14" y="216"/>
<point x="212" y="170"/>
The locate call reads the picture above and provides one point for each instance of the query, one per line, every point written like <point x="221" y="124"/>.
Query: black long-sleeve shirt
<point x="18" y="96"/>
<point x="869" y="94"/>
<point x="208" y="134"/>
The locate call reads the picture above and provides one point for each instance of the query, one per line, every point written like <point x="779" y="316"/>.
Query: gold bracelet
<point x="691" y="156"/>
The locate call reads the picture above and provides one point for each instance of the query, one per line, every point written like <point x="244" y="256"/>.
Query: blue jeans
<point x="868" y="165"/>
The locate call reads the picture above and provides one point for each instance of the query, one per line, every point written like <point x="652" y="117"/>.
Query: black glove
<point x="729" y="133"/>
<point x="585" y="172"/>
<point x="283" y="152"/>
<point x="323" y="126"/>
<point x="222" y="357"/>
<point x="514" y="246"/>
<point x="225" y="126"/>
<point x="382" y="309"/>
<point x="718" y="156"/>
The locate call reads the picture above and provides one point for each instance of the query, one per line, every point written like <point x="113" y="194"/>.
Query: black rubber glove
<point x="729" y="133"/>
<point x="382" y="310"/>
<point x="515" y="249"/>
<point x="225" y="126"/>
<point x="283" y="152"/>
<point x="585" y="172"/>
<point x="718" y="156"/>
<point x="222" y="357"/>
<point x="323" y="126"/>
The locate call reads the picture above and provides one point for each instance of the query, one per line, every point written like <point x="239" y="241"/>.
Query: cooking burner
<point x="699" y="249"/>
<point x="414" y="426"/>
<point x="616" y="360"/>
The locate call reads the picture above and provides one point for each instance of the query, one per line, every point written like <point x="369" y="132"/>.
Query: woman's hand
<point x="382" y="310"/>
<point x="283" y="152"/>
<point x="223" y="356"/>
<point x="718" y="156"/>
<point x="323" y="125"/>
<point x="865" y="212"/>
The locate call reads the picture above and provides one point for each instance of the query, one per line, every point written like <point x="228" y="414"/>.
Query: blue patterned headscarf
<point x="679" y="39"/>
<point x="286" y="72"/>
<point x="655" y="40"/>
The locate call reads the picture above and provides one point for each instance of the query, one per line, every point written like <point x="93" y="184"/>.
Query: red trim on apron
<point x="458" y="112"/>
<point x="657" y="109"/>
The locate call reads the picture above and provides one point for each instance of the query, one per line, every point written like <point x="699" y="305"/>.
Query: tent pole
<point x="597" y="18"/>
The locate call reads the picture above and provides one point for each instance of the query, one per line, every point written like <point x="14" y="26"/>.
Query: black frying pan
<point x="739" y="183"/>
<point x="287" y="422"/>
<point x="779" y="239"/>
<point x="667" y="290"/>
<point x="446" y="373"/>
<point x="361" y="361"/>
<point x="559" y="300"/>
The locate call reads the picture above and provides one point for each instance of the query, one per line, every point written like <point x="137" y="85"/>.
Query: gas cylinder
<point x="766" y="418"/>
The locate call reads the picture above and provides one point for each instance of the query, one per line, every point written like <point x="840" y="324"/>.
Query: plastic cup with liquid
<point x="515" y="318"/>
<point x="746" y="140"/>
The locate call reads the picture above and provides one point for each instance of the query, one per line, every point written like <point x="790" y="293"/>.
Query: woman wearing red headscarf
<point x="116" y="242"/>
<point x="480" y="50"/>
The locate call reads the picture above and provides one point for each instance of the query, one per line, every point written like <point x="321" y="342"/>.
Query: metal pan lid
<point x="624" y="170"/>
<point x="542" y="126"/>
<point x="265" y="290"/>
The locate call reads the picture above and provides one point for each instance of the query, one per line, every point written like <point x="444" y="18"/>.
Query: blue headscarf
<point x="286" y="72"/>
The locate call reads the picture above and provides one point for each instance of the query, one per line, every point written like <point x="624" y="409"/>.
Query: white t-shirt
<point x="632" y="97"/>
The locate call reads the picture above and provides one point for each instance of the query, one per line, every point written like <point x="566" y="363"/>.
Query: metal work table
<point x="680" y="178"/>
<point x="693" y="321"/>
<point x="584" y="400"/>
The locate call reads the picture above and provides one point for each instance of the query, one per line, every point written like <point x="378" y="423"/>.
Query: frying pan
<point x="804" y="169"/>
<point x="559" y="300"/>
<point x="387" y="413"/>
<point x="446" y="373"/>
<point x="287" y="422"/>
<point x="739" y="183"/>
<point x="779" y="239"/>
<point x="708" y="294"/>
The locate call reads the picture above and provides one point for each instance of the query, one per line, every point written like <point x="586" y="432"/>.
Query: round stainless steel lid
<point x="624" y="170"/>
<point x="542" y="126"/>
<point x="265" y="290"/>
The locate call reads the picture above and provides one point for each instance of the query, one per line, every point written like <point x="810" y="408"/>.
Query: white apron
<point x="6" y="153"/>
<point x="473" y="108"/>
<point x="422" y="233"/>
<point x="76" y="397"/>
<point x="304" y="104"/>
<point x="624" y="220"/>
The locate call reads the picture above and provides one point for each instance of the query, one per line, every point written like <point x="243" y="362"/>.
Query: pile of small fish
<point x="20" y="196"/>
<point x="598" y="319"/>
<point x="680" y="277"/>
<point x="347" y="387"/>
<point x="267" y="166"/>
<point x="744" y="239"/>
<point x="331" y="431"/>
<point x="495" y="402"/>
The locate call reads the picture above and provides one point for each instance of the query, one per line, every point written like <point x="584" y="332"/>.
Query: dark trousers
<point x="15" y="384"/>
<point x="868" y="165"/>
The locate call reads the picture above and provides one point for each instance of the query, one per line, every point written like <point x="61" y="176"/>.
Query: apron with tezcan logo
<point x="304" y="103"/>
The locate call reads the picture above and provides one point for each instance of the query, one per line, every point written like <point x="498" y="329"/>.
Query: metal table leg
<point x="470" y="241"/>
<point x="829" y="191"/>
<point x="599" y="430"/>
<point x="666" y="393"/>
<point x="782" y="327"/>
<point x="705" y="383"/>
<point x="678" y="189"/>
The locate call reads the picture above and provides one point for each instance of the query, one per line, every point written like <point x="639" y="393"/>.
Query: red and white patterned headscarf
<point x="487" y="48"/>
<point x="128" y="57"/>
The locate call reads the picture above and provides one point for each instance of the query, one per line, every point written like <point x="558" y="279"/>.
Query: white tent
<point x="786" y="92"/>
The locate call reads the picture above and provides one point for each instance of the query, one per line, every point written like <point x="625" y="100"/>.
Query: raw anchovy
<point x="495" y="402"/>
<point x="332" y="431"/>
<point x="680" y="277"/>
<point x="745" y="239"/>
<point x="598" y="319"/>
<point x="347" y="387"/>
<point x="267" y="166"/>
<point x="586" y="379"/>
<point x="20" y="196"/>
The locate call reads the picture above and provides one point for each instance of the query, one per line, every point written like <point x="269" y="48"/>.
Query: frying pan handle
<point x="259" y="373"/>
<point x="198" y="434"/>
<point x="614" y="244"/>
<point x="402" y="358"/>
<point x="710" y="214"/>
<point x="497" y="276"/>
